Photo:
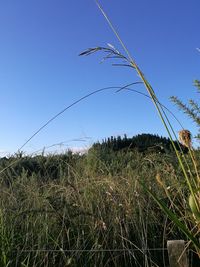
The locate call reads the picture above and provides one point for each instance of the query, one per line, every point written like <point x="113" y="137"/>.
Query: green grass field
<point x="89" y="210"/>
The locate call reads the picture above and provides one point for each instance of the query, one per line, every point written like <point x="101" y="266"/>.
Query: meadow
<point x="90" y="209"/>
<point x="112" y="206"/>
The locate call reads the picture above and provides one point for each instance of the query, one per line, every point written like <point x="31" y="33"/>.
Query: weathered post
<point x="177" y="253"/>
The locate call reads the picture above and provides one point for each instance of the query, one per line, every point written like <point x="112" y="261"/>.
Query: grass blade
<point x="173" y="217"/>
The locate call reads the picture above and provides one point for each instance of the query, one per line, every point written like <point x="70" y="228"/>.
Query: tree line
<point x="141" y="143"/>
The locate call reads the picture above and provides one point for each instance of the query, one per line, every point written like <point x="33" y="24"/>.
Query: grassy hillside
<point x="91" y="205"/>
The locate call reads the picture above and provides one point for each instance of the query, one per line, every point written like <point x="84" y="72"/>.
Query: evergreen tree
<point x="140" y="142"/>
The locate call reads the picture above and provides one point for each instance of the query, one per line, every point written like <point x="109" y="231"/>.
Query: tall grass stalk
<point x="191" y="179"/>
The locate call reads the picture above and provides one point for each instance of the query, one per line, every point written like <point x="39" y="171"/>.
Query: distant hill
<point x="141" y="142"/>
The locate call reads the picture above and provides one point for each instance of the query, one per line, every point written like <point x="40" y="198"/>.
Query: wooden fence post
<point x="177" y="253"/>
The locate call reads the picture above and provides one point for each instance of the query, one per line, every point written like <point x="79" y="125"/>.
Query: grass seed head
<point x="185" y="138"/>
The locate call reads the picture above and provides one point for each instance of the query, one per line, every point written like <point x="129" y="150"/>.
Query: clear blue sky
<point x="41" y="72"/>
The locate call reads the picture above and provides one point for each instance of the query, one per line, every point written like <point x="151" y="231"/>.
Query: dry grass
<point x="71" y="206"/>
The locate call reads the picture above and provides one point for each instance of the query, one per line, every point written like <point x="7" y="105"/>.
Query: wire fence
<point x="149" y="257"/>
<point x="94" y="250"/>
